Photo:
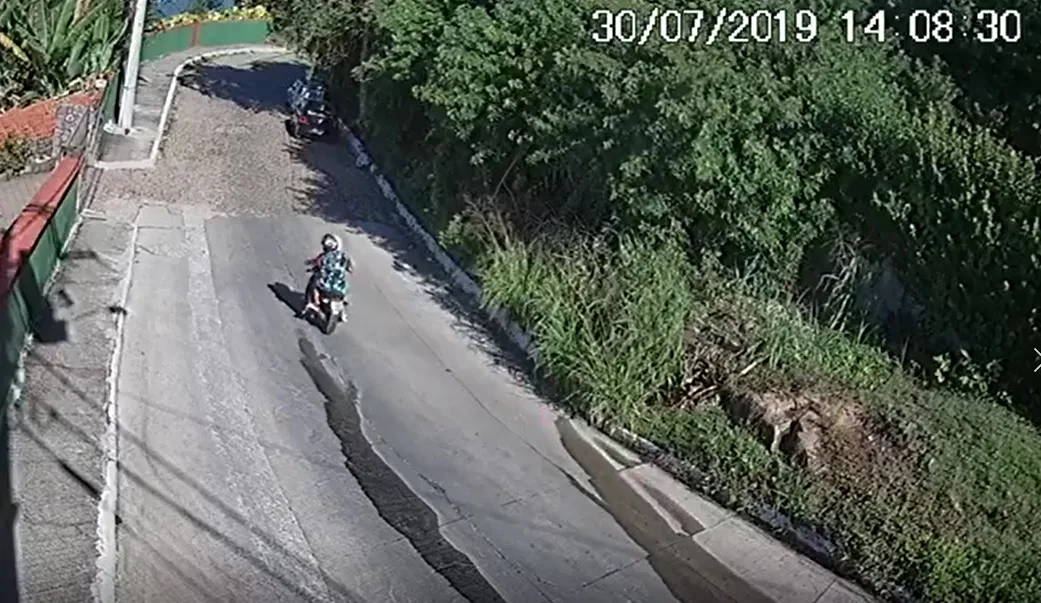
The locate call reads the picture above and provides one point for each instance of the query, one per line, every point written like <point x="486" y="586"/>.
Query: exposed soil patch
<point x="827" y="434"/>
<point x="823" y="428"/>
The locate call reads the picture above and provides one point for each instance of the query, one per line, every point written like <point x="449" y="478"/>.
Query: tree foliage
<point x="998" y="81"/>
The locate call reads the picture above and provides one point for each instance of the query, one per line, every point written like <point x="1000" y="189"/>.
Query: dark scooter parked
<point x="312" y="119"/>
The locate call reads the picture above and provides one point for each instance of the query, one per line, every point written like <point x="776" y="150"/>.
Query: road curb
<point x="685" y="506"/>
<point x="107" y="561"/>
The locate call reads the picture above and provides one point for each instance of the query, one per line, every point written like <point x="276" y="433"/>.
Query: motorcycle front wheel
<point x="331" y="320"/>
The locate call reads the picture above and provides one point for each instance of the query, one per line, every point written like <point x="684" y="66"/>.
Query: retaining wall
<point x="29" y="252"/>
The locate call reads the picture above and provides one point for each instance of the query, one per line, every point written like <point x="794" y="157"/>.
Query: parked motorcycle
<point x="304" y="90"/>
<point x="312" y="119"/>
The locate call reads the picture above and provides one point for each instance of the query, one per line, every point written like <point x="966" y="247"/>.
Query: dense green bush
<point x="954" y="206"/>
<point x="998" y="80"/>
<point x="747" y="151"/>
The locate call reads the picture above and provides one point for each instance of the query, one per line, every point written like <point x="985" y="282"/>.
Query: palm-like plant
<point x="45" y="50"/>
<point x="14" y="65"/>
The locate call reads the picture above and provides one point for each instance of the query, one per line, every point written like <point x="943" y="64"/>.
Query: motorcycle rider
<point x="330" y="275"/>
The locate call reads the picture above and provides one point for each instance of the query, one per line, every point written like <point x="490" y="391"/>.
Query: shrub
<point x="14" y="153"/>
<point x="58" y="49"/>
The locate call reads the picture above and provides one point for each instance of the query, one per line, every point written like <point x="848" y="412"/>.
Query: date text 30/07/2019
<point x="739" y="26"/>
<point x="692" y="26"/>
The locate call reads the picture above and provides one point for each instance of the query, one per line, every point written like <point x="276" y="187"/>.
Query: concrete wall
<point x="29" y="251"/>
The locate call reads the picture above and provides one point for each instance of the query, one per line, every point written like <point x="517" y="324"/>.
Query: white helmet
<point x="331" y="242"/>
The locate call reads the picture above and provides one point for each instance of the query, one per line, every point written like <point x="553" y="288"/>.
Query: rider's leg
<point x="310" y="296"/>
<point x="316" y="294"/>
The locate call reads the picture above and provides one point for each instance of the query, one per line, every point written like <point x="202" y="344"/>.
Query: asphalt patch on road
<point x="398" y="505"/>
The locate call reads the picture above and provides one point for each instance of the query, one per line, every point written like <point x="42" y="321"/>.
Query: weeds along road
<point x="397" y="460"/>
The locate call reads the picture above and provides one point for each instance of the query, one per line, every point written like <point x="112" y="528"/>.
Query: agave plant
<point x="57" y="49"/>
<point x="14" y="66"/>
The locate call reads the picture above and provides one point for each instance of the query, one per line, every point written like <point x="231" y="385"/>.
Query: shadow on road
<point x="288" y="296"/>
<point x="38" y="417"/>
<point x="258" y="87"/>
<point x="395" y="502"/>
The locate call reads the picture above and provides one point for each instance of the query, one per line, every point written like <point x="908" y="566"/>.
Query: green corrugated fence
<point x="207" y="33"/>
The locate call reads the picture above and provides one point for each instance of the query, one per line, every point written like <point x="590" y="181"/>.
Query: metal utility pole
<point x="126" y="104"/>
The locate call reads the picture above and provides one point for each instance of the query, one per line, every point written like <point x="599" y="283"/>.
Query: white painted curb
<point x="168" y="104"/>
<point x="517" y="335"/>
<point x="107" y="562"/>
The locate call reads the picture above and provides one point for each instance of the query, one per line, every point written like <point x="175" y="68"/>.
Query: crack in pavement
<point x="395" y="502"/>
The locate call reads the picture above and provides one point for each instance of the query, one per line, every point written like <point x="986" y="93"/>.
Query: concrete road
<point x="397" y="460"/>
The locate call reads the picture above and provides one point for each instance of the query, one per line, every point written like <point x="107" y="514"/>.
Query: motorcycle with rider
<point x="327" y="288"/>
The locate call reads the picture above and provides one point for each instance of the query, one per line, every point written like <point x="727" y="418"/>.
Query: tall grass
<point x="609" y="322"/>
<point x="615" y="327"/>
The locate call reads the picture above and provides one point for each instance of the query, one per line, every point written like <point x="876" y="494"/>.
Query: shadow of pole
<point x="205" y="592"/>
<point x="287" y="557"/>
<point x="8" y="511"/>
<point x="45" y="326"/>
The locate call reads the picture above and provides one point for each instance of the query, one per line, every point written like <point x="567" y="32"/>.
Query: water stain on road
<point x="401" y="508"/>
<point x="690" y="573"/>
